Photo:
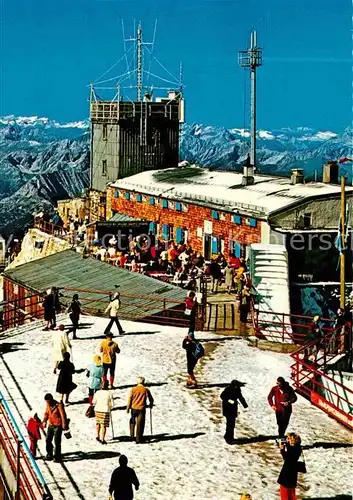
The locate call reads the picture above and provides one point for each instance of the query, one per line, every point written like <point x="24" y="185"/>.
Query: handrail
<point x="27" y="457"/>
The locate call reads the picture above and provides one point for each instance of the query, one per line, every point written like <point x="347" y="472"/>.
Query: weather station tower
<point x="252" y="59"/>
<point x="135" y="130"/>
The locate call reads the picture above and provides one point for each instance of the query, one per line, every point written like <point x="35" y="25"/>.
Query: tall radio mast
<point x="252" y="58"/>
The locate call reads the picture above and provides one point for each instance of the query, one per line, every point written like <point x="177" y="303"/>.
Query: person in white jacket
<point x="113" y="309"/>
<point x="103" y="404"/>
<point x="60" y="344"/>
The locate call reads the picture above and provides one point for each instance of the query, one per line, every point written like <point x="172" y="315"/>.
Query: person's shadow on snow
<point x="76" y="456"/>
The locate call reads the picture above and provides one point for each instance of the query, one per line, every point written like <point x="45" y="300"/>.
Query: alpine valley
<point x="42" y="161"/>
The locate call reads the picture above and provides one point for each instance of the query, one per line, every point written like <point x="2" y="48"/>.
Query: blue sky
<point x="51" y="49"/>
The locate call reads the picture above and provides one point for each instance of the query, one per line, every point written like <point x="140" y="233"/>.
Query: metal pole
<point x="343" y="254"/>
<point x="253" y="100"/>
<point x="18" y="471"/>
<point x="139" y="62"/>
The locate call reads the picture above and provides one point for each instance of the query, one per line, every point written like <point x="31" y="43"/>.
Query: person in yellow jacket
<point x="113" y="309"/>
<point x="109" y="350"/>
<point x="137" y="403"/>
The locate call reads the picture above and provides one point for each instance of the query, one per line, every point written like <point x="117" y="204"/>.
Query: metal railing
<point x="156" y="309"/>
<point x="30" y="483"/>
<point x="311" y="380"/>
<point x="285" y="326"/>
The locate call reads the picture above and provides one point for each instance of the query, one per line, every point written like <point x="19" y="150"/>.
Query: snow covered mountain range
<point x="42" y="160"/>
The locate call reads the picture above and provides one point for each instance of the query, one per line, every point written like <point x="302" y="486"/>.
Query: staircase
<point x="268" y="265"/>
<point x="321" y="374"/>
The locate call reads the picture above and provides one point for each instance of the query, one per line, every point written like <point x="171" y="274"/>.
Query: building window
<point x="237" y="219"/>
<point x="216" y="245"/>
<point x="104" y="167"/>
<point x="164" y="203"/>
<point x="179" y="235"/>
<point x="307" y="220"/>
<point x="215" y="215"/>
<point x="116" y="194"/>
<point x="127" y="196"/>
<point x="151" y="201"/>
<point x="235" y="248"/>
<point x="152" y="228"/>
<point x="105" y="132"/>
<point x="252" y="222"/>
<point x="178" y="206"/>
<point x="138" y="198"/>
<point x="165" y="232"/>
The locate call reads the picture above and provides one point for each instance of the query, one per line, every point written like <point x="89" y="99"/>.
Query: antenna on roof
<point x="252" y="58"/>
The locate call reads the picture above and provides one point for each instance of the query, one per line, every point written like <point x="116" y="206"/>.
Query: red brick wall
<point x="24" y="304"/>
<point x="191" y="219"/>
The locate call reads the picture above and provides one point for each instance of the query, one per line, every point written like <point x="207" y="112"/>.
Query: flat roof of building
<point x="268" y="194"/>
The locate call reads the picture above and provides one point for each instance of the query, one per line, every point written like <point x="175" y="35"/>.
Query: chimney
<point x="330" y="173"/>
<point x="297" y="176"/>
<point x="248" y="173"/>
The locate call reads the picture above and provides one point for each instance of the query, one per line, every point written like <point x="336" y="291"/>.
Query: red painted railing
<point x="311" y="380"/>
<point x="30" y="484"/>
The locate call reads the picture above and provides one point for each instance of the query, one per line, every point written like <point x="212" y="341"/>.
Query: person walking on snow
<point x="34" y="425"/>
<point x="74" y="311"/>
<point x="95" y="373"/>
<point x="122" y="480"/>
<point x="288" y="477"/>
<point x="194" y="351"/>
<point x="56" y="416"/>
<point x="137" y="403"/>
<point x="281" y="398"/>
<point x="60" y="344"/>
<point x="65" y="385"/>
<point x="103" y="404"/>
<point x="109" y="350"/>
<point x="113" y="309"/>
<point x="230" y="397"/>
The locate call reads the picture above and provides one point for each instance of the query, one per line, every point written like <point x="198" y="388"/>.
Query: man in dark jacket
<point x="281" y="398"/>
<point x="189" y="344"/>
<point x="122" y="480"/>
<point x="230" y="397"/>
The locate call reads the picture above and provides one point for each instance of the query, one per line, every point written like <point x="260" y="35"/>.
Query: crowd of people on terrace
<point x="177" y="263"/>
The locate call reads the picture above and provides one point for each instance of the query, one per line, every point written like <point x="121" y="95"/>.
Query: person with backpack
<point x="122" y="480"/>
<point x="194" y="352"/>
<point x="109" y="350"/>
<point x="113" y="309"/>
<point x="230" y="397"/>
<point x="281" y="398"/>
<point x="56" y="416"/>
<point x="74" y="311"/>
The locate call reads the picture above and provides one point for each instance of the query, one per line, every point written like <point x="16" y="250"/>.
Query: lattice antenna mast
<point x="139" y="59"/>
<point x="252" y="58"/>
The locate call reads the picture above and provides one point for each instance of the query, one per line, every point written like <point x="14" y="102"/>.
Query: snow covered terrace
<point x="187" y="457"/>
<point x="266" y="196"/>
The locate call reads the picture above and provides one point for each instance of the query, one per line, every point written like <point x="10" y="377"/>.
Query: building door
<point x="207" y="243"/>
